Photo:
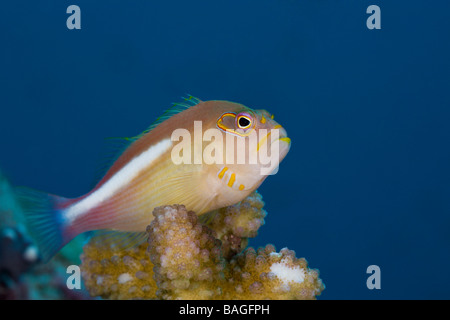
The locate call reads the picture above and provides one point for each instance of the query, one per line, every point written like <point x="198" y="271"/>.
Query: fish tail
<point x="46" y="222"/>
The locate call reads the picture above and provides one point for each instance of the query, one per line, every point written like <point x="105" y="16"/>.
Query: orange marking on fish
<point x="232" y="179"/>
<point x="221" y="174"/>
<point x="263" y="120"/>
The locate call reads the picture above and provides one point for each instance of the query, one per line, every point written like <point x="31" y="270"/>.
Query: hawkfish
<point x="202" y="154"/>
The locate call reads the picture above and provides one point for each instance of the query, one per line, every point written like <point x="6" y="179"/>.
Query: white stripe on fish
<point x="119" y="180"/>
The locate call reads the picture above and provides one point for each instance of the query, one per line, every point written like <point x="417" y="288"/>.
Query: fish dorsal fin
<point x="115" y="146"/>
<point x="176" y="108"/>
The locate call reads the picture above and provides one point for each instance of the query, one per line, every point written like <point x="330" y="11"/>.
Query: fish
<point x="202" y="154"/>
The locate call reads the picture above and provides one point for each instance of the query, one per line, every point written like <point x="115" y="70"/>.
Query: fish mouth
<point x="285" y="139"/>
<point x="285" y="146"/>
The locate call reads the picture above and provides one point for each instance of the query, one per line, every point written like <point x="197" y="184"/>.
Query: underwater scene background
<point x="367" y="178"/>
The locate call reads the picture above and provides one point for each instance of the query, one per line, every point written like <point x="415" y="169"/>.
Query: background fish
<point x="145" y="176"/>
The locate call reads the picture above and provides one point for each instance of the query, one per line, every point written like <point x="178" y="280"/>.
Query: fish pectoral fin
<point x="208" y="217"/>
<point x="120" y="240"/>
<point x="189" y="189"/>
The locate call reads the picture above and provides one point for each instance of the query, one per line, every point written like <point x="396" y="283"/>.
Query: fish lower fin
<point x="208" y="217"/>
<point x="189" y="188"/>
<point x="120" y="240"/>
<point x="45" y="219"/>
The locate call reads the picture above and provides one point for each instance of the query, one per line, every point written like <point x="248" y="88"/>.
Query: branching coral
<point x="187" y="256"/>
<point x="266" y="274"/>
<point x="114" y="273"/>
<point x="235" y="224"/>
<point x="191" y="258"/>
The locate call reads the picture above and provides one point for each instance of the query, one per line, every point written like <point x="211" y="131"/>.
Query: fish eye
<point x="243" y="121"/>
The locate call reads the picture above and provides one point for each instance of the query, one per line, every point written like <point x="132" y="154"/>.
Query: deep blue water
<point x="367" y="180"/>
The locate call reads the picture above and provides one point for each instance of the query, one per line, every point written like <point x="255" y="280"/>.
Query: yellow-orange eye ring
<point x="243" y="122"/>
<point x="220" y="122"/>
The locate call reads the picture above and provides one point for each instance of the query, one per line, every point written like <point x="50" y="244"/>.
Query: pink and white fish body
<point x="149" y="173"/>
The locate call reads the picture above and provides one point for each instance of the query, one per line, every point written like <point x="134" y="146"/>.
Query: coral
<point x="191" y="258"/>
<point x="114" y="273"/>
<point x="187" y="256"/>
<point x="236" y="223"/>
<point x="266" y="274"/>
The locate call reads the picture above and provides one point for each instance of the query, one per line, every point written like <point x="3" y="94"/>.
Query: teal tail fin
<point x="45" y="220"/>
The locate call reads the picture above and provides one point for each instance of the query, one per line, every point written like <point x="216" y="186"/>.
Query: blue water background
<point x="367" y="180"/>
